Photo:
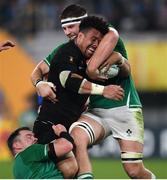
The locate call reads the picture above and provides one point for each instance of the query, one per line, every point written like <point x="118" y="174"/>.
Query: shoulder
<point x="33" y="148"/>
<point x="64" y="47"/>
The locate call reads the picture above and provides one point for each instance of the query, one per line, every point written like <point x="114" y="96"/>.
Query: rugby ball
<point x="112" y="71"/>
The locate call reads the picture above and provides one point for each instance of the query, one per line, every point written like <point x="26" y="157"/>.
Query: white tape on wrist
<point x="43" y="82"/>
<point x="97" y="89"/>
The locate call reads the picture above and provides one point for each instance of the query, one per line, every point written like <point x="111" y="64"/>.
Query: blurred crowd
<point x="27" y="17"/>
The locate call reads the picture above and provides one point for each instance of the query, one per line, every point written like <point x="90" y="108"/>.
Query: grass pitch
<point x="104" y="168"/>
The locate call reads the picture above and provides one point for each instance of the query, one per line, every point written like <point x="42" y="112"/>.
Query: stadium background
<point x="35" y="27"/>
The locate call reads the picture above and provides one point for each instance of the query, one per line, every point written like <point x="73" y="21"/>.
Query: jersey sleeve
<point x="120" y="47"/>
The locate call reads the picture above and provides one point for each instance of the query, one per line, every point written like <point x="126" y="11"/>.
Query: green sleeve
<point x="49" y="58"/>
<point x="120" y="47"/>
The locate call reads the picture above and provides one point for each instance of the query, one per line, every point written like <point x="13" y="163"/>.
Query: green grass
<point x="104" y="168"/>
<point x="113" y="169"/>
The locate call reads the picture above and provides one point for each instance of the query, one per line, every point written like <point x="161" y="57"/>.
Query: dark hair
<point x="94" y="22"/>
<point x="13" y="136"/>
<point x="73" y="10"/>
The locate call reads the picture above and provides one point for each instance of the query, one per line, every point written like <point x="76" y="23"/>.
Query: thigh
<point x="98" y="129"/>
<point x="126" y="124"/>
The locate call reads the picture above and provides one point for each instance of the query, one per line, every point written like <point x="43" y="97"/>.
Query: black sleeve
<point x="74" y="80"/>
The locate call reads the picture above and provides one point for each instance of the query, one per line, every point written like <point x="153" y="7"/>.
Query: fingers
<point x="47" y="90"/>
<point x="8" y="44"/>
<point x="58" y="129"/>
<point x="105" y="64"/>
<point x="114" y="92"/>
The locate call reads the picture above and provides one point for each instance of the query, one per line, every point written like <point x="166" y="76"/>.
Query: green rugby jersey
<point x="131" y="97"/>
<point x="34" y="163"/>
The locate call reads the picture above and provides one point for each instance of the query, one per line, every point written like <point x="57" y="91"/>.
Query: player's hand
<point x="96" y="75"/>
<point x="6" y="45"/>
<point x="47" y="90"/>
<point x="113" y="92"/>
<point x="114" y="58"/>
<point x="58" y="129"/>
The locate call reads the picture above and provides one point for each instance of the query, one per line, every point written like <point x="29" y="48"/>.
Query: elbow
<point x="112" y="36"/>
<point x="125" y="72"/>
<point x="67" y="146"/>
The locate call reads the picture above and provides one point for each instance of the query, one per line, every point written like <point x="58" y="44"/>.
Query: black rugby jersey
<point x="70" y="104"/>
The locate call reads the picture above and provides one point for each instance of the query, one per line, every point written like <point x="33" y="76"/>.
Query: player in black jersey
<point x="67" y="72"/>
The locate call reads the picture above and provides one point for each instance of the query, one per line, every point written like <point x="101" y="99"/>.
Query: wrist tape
<point x="37" y="81"/>
<point x="97" y="89"/>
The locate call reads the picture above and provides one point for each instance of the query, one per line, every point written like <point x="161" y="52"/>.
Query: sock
<point x="85" y="176"/>
<point x="153" y="176"/>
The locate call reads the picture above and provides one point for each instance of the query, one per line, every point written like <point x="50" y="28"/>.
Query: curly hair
<point x="95" y="22"/>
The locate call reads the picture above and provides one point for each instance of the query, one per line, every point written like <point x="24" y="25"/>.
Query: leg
<point x="68" y="166"/>
<point x="131" y="155"/>
<point x="84" y="137"/>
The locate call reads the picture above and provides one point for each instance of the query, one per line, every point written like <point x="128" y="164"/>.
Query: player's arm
<point x="6" y="45"/>
<point x="118" y="59"/>
<point x="103" y="51"/>
<point x="80" y="85"/>
<point x="43" y="88"/>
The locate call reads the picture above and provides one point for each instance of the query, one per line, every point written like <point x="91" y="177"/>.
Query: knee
<point x="133" y="170"/>
<point x="80" y="138"/>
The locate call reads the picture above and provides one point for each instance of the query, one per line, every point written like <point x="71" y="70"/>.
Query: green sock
<point x="85" y="176"/>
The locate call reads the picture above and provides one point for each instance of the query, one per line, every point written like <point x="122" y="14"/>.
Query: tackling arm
<point x="123" y="64"/>
<point x="43" y="88"/>
<point x="103" y="51"/>
<point x="39" y="72"/>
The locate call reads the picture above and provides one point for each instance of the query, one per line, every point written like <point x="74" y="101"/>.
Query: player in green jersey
<point x="123" y="119"/>
<point x="36" y="161"/>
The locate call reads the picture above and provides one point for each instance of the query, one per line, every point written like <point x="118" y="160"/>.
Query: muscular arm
<point x="39" y="72"/>
<point x="44" y="89"/>
<point x="78" y="84"/>
<point x="103" y="51"/>
<point x="122" y="62"/>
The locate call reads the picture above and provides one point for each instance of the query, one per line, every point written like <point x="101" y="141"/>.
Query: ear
<point x="80" y="35"/>
<point x="80" y="38"/>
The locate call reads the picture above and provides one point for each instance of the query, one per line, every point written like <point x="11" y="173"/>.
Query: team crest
<point x="71" y="59"/>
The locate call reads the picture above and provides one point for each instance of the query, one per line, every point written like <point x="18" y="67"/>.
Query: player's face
<point x="25" y="139"/>
<point x="71" y="31"/>
<point x="89" y="41"/>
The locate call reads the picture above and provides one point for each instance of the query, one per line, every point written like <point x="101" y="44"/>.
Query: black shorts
<point x="44" y="132"/>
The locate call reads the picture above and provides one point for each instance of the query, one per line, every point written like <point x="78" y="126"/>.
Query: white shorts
<point x="122" y="122"/>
